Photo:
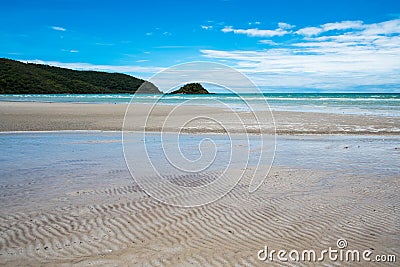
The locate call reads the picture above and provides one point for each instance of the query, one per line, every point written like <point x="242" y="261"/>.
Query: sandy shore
<point x="17" y="116"/>
<point x="65" y="208"/>
<point x="121" y="226"/>
<point x="68" y="198"/>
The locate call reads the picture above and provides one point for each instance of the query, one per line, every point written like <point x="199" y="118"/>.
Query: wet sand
<point x="119" y="225"/>
<point x="68" y="198"/>
<point x="18" y="116"/>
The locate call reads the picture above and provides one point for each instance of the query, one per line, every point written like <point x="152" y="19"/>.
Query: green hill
<point x="191" y="88"/>
<point x="28" y="78"/>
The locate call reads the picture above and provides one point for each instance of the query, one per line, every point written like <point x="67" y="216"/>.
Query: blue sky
<point x="280" y="45"/>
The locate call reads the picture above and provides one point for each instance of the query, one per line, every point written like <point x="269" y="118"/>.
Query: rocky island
<point x="191" y="88"/>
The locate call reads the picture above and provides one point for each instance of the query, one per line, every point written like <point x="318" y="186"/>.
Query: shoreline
<point x="208" y="133"/>
<point x="93" y="213"/>
<point x="39" y="116"/>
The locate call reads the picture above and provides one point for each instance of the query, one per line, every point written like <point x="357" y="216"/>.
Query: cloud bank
<point x="255" y="32"/>
<point x="333" y="56"/>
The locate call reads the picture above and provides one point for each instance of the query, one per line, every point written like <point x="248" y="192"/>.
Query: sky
<point x="282" y="46"/>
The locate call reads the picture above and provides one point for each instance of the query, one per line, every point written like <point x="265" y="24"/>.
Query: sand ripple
<point x="123" y="226"/>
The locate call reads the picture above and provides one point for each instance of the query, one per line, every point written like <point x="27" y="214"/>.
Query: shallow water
<point x="380" y="104"/>
<point x="54" y="159"/>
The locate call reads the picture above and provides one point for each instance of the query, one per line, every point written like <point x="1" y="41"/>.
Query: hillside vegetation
<point x="28" y="78"/>
<point x="191" y="88"/>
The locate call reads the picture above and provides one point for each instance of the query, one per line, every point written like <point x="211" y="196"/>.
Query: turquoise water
<point x="381" y="104"/>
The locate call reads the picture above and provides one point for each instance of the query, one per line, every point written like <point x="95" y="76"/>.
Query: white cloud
<point x="347" y="55"/>
<point x="344" y="25"/>
<point x="339" y="26"/>
<point x="284" y="25"/>
<point x="57" y="28"/>
<point x="254" y="32"/>
<point x="205" y="27"/>
<point x="227" y="29"/>
<point x="386" y="27"/>
<point x="70" y="51"/>
<point x="268" y="42"/>
<point x="309" y="31"/>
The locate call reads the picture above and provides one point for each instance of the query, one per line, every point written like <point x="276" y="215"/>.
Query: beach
<point x="29" y="116"/>
<point x="200" y="133"/>
<point x="68" y="197"/>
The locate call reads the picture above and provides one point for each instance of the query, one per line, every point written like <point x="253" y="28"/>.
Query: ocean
<point x="378" y="104"/>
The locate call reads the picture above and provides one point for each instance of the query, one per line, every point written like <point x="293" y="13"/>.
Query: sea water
<point x="378" y="104"/>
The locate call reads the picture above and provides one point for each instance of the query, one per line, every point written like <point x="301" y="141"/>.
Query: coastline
<point x="93" y="213"/>
<point x="219" y="133"/>
<point x="35" y="116"/>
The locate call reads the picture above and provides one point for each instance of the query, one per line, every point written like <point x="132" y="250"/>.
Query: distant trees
<point x="28" y="78"/>
<point x="191" y="88"/>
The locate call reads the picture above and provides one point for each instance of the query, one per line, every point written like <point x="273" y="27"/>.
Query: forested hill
<point x="28" y="78"/>
<point x="191" y="88"/>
